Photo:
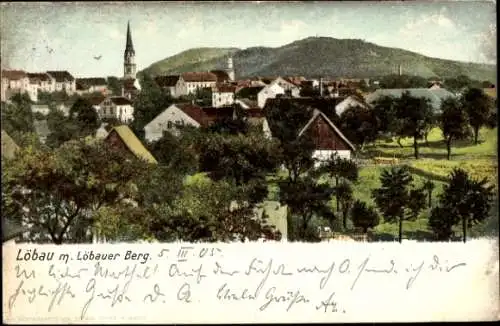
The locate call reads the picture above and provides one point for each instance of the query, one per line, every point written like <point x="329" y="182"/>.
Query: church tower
<point x="230" y="69"/>
<point x="129" y="57"/>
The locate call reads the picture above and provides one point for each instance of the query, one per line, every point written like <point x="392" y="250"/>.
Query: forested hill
<point x="320" y="56"/>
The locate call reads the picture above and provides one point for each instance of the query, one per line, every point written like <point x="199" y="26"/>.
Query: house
<point x="92" y="85"/>
<point x="222" y="76"/>
<point x="213" y="114"/>
<point x="117" y="107"/>
<point x="192" y="81"/>
<point x="123" y="138"/>
<point x="246" y="103"/>
<point x="436" y="96"/>
<point x="14" y="82"/>
<point x="223" y="95"/>
<point x="130" y="88"/>
<point x="96" y="102"/>
<point x="328" y="139"/>
<point x="170" y="83"/>
<point x="181" y="113"/>
<point x="261" y="93"/>
<point x="9" y="146"/>
<point x="43" y="82"/>
<point x="290" y="88"/>
<point x="350" y="101"/>
<point x="40" y="108"/>
<point x="64" y="81"/>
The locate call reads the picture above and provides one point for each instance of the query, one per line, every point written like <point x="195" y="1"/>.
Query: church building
<point x="131" y="85"/>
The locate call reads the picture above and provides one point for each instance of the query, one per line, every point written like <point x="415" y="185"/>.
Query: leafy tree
<point x="340" y="169"/>
<point x="62" y="129"/>
<point x="363" y="216"/>
<point x="441" y="222"/>
<point x="359" y="124"/>
<point x="115" y="85"/>
<point x="150" y="102"/>
<point x="478" y="107"/>
<point x="396" y="199"/>
<point x="403" y="81"/>
<point x="344" y="195"/>
<point x="240" y="158"/>
<point x="428" y="187"/>
<point x="414" y="117"/>
<point x="306" y="198"/>
<point x="85" y="117"/>
<point x="384" y="109"/>
<point x="453" y="122"/>
<point x="204" y="96"/>
<point x="467" y="199"/>
<point x="210" y="211"/>
<point x="62" y="190"/>
<point x="17" y="117"/>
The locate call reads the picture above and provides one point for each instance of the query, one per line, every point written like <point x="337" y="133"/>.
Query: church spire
<point x="129" y="47"/>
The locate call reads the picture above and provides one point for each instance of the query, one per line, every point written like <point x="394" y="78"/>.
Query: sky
<point x="67" y="36"/>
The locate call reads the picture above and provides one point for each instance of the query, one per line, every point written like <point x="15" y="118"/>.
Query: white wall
<point x="154" y="129"/>
<point x="270" y="91"/>
<point x="324" y="155"/>
<point x="220" y="99"/>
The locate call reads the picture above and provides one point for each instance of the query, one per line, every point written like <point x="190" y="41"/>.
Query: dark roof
<point x="218" y="113"/>
<point x="255" y="113"/>
<point x="199" y="77"/>
<point x="221" y="75"/>
<point x="13" y="74"/>
<point x="85" y="83"/>
<point x="249" y="92"/>
<point x="96" y="100"/>
<point x="129" y="47"/>
<point x="61" y="76"/>
<point x="34" y="77"/>
<point x="120" y="100"/>
<point x="167" y="81"/>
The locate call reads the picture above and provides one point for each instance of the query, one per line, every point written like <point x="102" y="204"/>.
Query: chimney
<point x="321" y="86"/>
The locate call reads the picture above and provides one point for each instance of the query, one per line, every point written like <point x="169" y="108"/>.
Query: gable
<point x="324" y="136"/>
<point x="173" y="114"/>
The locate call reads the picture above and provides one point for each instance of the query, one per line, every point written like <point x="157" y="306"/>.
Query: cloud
<point x="429" y="23"/>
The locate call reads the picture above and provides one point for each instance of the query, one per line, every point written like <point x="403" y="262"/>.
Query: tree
<point x="363" y="216"/>
<point x="306" y="198"/>
<point x="428" y="187"/>
<point x="210" y="211"/>
<point x="441" y="222"/>
<point x="150" y="102"/>
<point x="414" y="117"/>
<point x="114" y="85"/>
<point x="17" y="117"/>
<point x="344" y="195"/>
<point x="384" y="109"/>
<point x="243" y="159"/>
<point x="359" y="124"/>
<point x="478" y="107"/>
<point x="85" y="117"/>
<point x="62" y="129"/>
<point x="340" y="169"/>
<point x="467" y="199"/>
<point x="453" y="122"/>
<point x="62" y="190"/>
<point x="396" y="199"/>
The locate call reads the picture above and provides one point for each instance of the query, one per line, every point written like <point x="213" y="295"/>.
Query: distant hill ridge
<point x="320" y="56"/>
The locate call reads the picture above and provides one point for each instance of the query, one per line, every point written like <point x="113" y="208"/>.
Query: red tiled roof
<point x="221" y="112"/>
<point x="221" y="75"/>
<point x="120" y="100"/>
<point x="61" y="76"/>
<point x="167" y="81"/>
<point x="195" y="112"/>
<point x="13" y="74"/>
<point x="199" y="77"/>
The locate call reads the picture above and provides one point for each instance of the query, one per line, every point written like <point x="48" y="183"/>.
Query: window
<point x="169" y="125"/>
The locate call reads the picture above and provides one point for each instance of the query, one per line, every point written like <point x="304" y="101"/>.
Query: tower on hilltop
<point x="129" y="68"/>
<point x="230" y="69"/>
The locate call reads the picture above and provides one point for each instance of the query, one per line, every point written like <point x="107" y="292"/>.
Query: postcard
<point x="249" y="162"/>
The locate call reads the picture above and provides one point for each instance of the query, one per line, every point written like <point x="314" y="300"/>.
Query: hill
<point x="320" y="56"/>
